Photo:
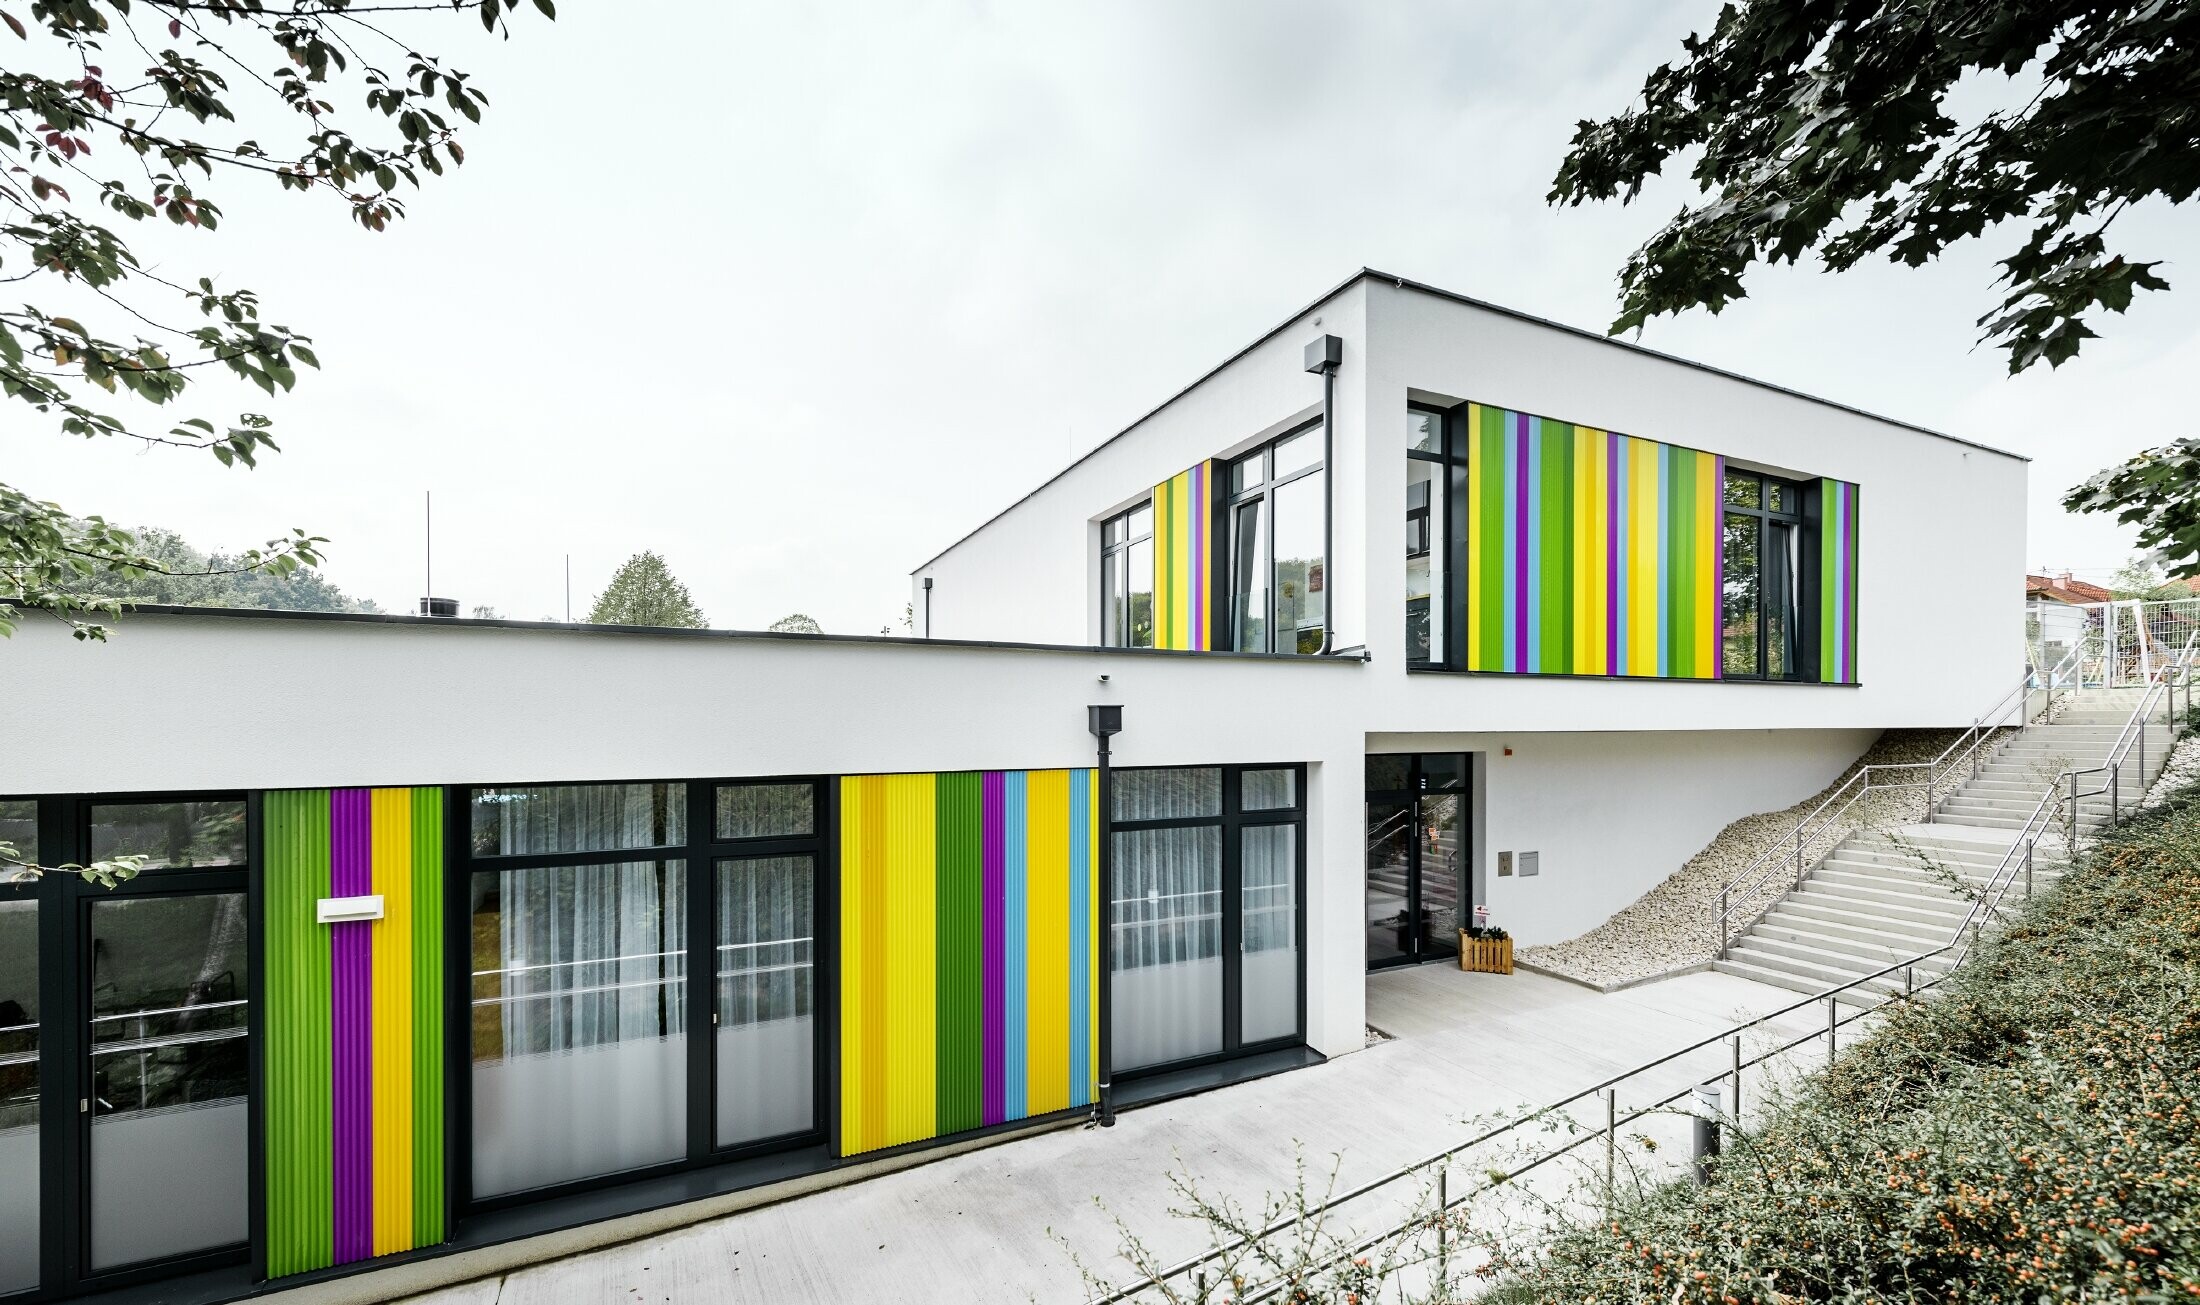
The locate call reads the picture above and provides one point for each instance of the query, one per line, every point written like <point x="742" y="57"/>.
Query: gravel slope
<point x="1671" y="925"/>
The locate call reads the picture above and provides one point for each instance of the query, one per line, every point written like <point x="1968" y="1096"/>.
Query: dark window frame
<point x="1225" y="530"/>
<point x="1114" y="555"/>
<point x="1230" y="818"/>
<point x="699" y="856"/>
<point x="1447" y="601"/>
<point x="1802" y="629"/>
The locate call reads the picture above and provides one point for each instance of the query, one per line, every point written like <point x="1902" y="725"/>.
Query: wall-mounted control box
<point x="1504" y="864"/>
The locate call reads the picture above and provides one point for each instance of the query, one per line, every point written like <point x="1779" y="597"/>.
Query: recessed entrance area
<point x="1417" y="827"/>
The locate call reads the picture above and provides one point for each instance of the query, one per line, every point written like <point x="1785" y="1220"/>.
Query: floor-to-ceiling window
<point x="1206" y="921"/>
<point x="1277" y="509"/>
<point x="644" y="976"/>
<point x="1761" y="579"/>
<point x="1126" y="579"/>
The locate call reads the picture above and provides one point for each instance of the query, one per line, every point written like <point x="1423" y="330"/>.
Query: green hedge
<point x="2030" y="1136"/>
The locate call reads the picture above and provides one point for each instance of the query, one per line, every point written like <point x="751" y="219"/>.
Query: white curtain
<point x="1166" y="944"/>
<point x="766" y="1041"/>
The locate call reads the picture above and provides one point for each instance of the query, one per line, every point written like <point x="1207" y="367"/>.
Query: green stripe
<point x="427" y="1015"/>
<point x="957" y="837"/>
<point x="296" y="1070"/>
<point x="1557" y="441"/>
<point x="1490" y="547"/>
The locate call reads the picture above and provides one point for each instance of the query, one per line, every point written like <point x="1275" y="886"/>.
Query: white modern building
<point x="458" y="932"/>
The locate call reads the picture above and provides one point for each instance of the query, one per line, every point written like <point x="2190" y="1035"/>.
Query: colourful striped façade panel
<point x="1588" y="552"/>
<point x="1183" y="517"/>
<point x="968" y="957"/>
<point x="1837" y="550"/>
<point x="353" y="1061"/>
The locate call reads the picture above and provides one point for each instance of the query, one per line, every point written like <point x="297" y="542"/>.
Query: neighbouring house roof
<point x="2064" y="589"/>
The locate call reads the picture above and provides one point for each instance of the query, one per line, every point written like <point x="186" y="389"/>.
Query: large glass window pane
<point x="1249" y="578"/>
<point x="1167" y="794"/>
<point x="1387" y="773"/>
<point x="1424" y="431"/>
<point x="577" y="818"/>
<point x="1268" y="992"/>
<point x="579" y="1022"/>
<point x="1389" y="879"/>
<point x="1744" y="489"/>
<point x="1248" y="471"/>
<point x="1141" y="522"/>
<point x="1780" y="578"/>
<point x="18" y="1080"/>
<point x="766" y="994"/>
<point x="19" y="830"/>
<point x="1300" y="604"/>
<point x="1738" y="604"/>
<point x="1111" y="600"/>
<point x="173" y="835"/>
<point x="1299" y="452"/>
<point x="766" y="810"/>
<point x="1268" y="790"/>
<point x="1425" y="554"/>
<point x="1443" y="864"/>
<point x="1165" y="954"/>
<point x="167" y="1039"/>
<point x="1138" y="586"/>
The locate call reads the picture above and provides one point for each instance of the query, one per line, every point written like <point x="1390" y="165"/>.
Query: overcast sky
<point x="797" y="294"/>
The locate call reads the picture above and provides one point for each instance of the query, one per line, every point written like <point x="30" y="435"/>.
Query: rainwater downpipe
<point x="1324" y="354"/>
<point x="1105" y="722"/>
<point x="928" y="607"/>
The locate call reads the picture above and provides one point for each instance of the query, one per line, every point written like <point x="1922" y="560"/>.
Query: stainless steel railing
<point x="2018" y="863"/>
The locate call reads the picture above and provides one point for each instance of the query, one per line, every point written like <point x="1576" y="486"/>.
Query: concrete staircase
<point x="1884" y="895"/>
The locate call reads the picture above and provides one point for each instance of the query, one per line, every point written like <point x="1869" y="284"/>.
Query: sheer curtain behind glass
<point x="766" y="997"/>
<point x="1268" y="872"/>
<point x="579" y="991"/>
<point x="1166" y="939"/>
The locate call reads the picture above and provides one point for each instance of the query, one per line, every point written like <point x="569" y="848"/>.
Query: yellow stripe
<point x="1103" y="930"/>
<point x="1600" y="531"/>
<point x="1046" y="941"/>
<point x="1474" y="538"/>
<point x="910" y="957"/>
<point x="1164" y="588"/>
<point x="1642" y="570"/>
<point x="391" y="957"/>
<point x="855" y="954"/>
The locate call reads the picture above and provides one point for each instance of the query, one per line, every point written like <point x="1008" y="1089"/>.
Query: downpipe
<point x="1324" y="354"/>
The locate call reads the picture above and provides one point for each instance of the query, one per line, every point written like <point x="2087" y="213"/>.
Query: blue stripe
<point x="1015" y="1048"/>
<point x="1081" y="935"/>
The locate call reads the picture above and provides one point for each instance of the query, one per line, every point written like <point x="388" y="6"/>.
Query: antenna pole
<point x="429" y="518"/>
<point x="568" y="588"/>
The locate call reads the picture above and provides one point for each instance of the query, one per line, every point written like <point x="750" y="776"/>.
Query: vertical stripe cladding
<point x="1837" y="582"/>
<point x="353" y="1028"/>
<point x="1183" y="519"/>
<point x="1590" y="552"/>
<point x="968" y="961"/>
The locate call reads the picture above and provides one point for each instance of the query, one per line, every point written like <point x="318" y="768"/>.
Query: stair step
<point x="1820" y="977"/>
<point x="1858" y="959"/>
<point x="1897" y="906"/>
<point x="1983" y="860"/>
<point x="1870" y="930"/>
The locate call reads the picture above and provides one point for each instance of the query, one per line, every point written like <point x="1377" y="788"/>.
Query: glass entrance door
<point x="1416" y="856"/>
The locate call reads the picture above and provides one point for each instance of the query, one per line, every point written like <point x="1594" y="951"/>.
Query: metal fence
<point x="2118" y="644"/>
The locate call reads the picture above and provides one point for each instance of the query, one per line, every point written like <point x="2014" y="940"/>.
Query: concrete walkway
<point x="1000" y="1224"/>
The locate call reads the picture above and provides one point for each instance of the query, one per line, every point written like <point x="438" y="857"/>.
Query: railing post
<point x="1720" y="948"/>
<point x="1909" y="982"/>
<point x="1975" y="737"/>
<point x="1833" y="1028"/>
<point x="1705" y="1133"/>
<point x="1443" y="1219"/>
<point x="2028" y="868"/>
<point x="2115" y="792"/>
<point x="1798" y="856"/>
<point x="1611" y="1146"/>
<point x="1734" y="1102"/>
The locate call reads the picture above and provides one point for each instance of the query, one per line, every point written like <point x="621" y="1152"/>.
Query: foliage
<point x="17" y="867"/>
<point x="2159" y="491"/>
<point x="189" y="578"/>
<point x="123" y="111"/>
<point x="643" y="591"/>
<point x="797" y="623"/>
<point x="1825" y="128"/>
<point x="2032" y="1135"/>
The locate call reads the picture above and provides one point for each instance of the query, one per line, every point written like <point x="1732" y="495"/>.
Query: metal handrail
<point x="1985" y="903"/>
<point x="1858" y="785"/>
<point x="2162" y="683"/>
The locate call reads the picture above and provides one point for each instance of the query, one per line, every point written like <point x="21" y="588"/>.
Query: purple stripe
<point x="994" y="890"/>
<point x="1613" y="580"/>
<point x="351" y="1053"/>
<point x="1718" y="586"/>
<point x="1520" y="533"/>
<point x="1199" y="557"/>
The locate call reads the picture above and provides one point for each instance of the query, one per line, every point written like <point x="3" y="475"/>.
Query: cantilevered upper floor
<point x="1528" y="525"/>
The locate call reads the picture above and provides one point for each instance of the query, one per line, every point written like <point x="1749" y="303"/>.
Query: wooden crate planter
<point x="1485" y="955"/>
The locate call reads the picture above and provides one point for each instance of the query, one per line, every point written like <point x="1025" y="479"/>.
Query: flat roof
<point x="1404" y="283"/>
<point x="1347" y="657"/>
